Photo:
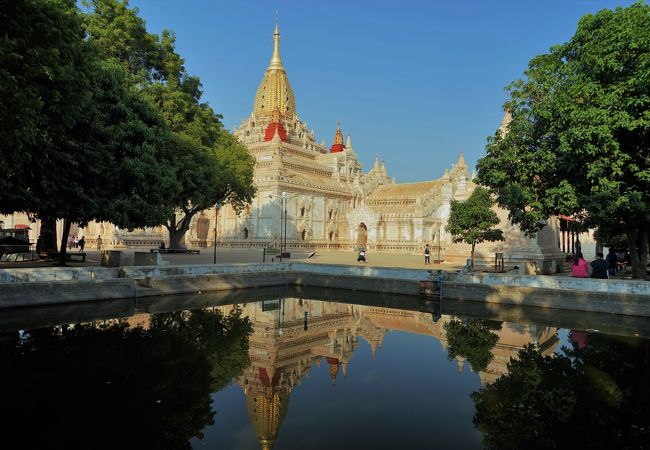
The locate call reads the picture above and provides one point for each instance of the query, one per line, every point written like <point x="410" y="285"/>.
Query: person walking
<point x="99" y="243"/>
<point x="599" y="267"/>
<point x="427" y="254"/>
<point x="579" y="268"/>
<point x="82" y="243"/>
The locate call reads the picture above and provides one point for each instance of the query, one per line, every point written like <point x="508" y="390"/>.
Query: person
<point x="70" y="242"/>
<point x="162" y="245"/>
<point x="612" y="261"/>
<point x="99" y="243"/>
<point x="579" y="268"/>
<point x="599" y="267"/>
<point x="362" y="256"/>
<point x="427" y="254"/>
<point x="82" y="243"/>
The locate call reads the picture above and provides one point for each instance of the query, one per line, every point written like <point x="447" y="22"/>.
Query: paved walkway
<point x="231" y="256"/>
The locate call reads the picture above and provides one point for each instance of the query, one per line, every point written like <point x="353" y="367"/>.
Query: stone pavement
<point x="254" y="255"/>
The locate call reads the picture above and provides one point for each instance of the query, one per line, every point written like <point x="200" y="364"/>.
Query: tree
<point x="45" y="88"/>
<point x="210" y="165"/>
<point x="471" y="221"/>
<point x="82" y="143"/>
<point x="578" y="143"/>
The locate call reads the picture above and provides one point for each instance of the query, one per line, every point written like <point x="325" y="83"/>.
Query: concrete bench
<point x="174" y="251"/>
<point x="75" y="255"/>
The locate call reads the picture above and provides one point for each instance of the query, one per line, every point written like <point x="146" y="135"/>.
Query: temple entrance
<point x="362" y="235"/>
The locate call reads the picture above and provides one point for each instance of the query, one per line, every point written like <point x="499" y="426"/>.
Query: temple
<point x="330" y="202"/>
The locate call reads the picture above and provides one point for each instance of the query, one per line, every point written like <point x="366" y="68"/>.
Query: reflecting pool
<point x="321" y="369"/>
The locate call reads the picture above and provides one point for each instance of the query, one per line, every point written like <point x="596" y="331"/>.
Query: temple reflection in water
<point x="290" y="335"/>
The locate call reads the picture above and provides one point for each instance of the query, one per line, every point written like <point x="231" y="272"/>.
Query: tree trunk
<point x="637" y="241"/>
<point x="177" y="230"/>
<point x="471" y="264"/>
<point x="48" y="236"/>
<point x="64" y="241"/>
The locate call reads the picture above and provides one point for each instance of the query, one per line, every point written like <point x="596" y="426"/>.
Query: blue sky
<point x="412" y="81"/>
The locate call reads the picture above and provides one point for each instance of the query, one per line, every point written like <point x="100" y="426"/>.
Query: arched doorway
<point x="362" y="235"/>
<point x="331" y="235"/>
<point x="245" y="233"/>
<point x="303" y="234"/>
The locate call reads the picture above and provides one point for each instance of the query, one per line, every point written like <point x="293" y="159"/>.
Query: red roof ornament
<point x="275" y="126"/>
<point x="338" y="146"/>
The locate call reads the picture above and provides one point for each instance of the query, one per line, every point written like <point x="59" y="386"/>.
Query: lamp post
<point x="216" y="216"/>
<point x="284" y="206"/>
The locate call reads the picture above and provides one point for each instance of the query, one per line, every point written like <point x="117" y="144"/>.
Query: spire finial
<point x="276" y="60"/>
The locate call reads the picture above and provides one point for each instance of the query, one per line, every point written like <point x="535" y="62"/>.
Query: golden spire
<point x="461" y="160"/>
<point x="274" y="92"/>
<point x="338" y="138"/>
<point x="276" y="61"/>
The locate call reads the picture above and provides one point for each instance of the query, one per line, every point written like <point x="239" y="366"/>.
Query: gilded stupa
<point x="274" y="92"/>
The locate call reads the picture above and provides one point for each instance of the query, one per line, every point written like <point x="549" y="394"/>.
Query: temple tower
<point x="274" y="92"/>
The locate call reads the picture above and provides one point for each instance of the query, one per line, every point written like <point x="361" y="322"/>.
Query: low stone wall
<point x="20" y="287"/>
<point x="592" y="285"/>
<point x="54" y="292"/>
<point x="56" y="274"/>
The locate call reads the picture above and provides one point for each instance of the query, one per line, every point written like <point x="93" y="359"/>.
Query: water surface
<point x="298" y="369"/>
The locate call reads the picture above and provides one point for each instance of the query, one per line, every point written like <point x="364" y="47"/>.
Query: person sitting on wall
<point x="579" y="268"/>
<point x="162" y="246"/>
<point x="599" y="267"/>
<point x="362" y="256"/>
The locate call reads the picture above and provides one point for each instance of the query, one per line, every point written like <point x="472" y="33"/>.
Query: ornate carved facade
<point x="329" y="201"/>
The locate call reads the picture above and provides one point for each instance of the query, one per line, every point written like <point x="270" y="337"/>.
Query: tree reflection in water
<point x="591" y="396"/>
<point x="473" y="340"/>
<point x="109" y="385"/>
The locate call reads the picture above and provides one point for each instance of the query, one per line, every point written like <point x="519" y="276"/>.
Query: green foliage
<point x="210" y="166"/>
<point x="579" y="139"/>
<point x="472" y="340"/>
<point x="45" y="85"/>
<point x="471" y="221"/>
<point x="133" y="177"/>
<point x="584" y="398"/>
